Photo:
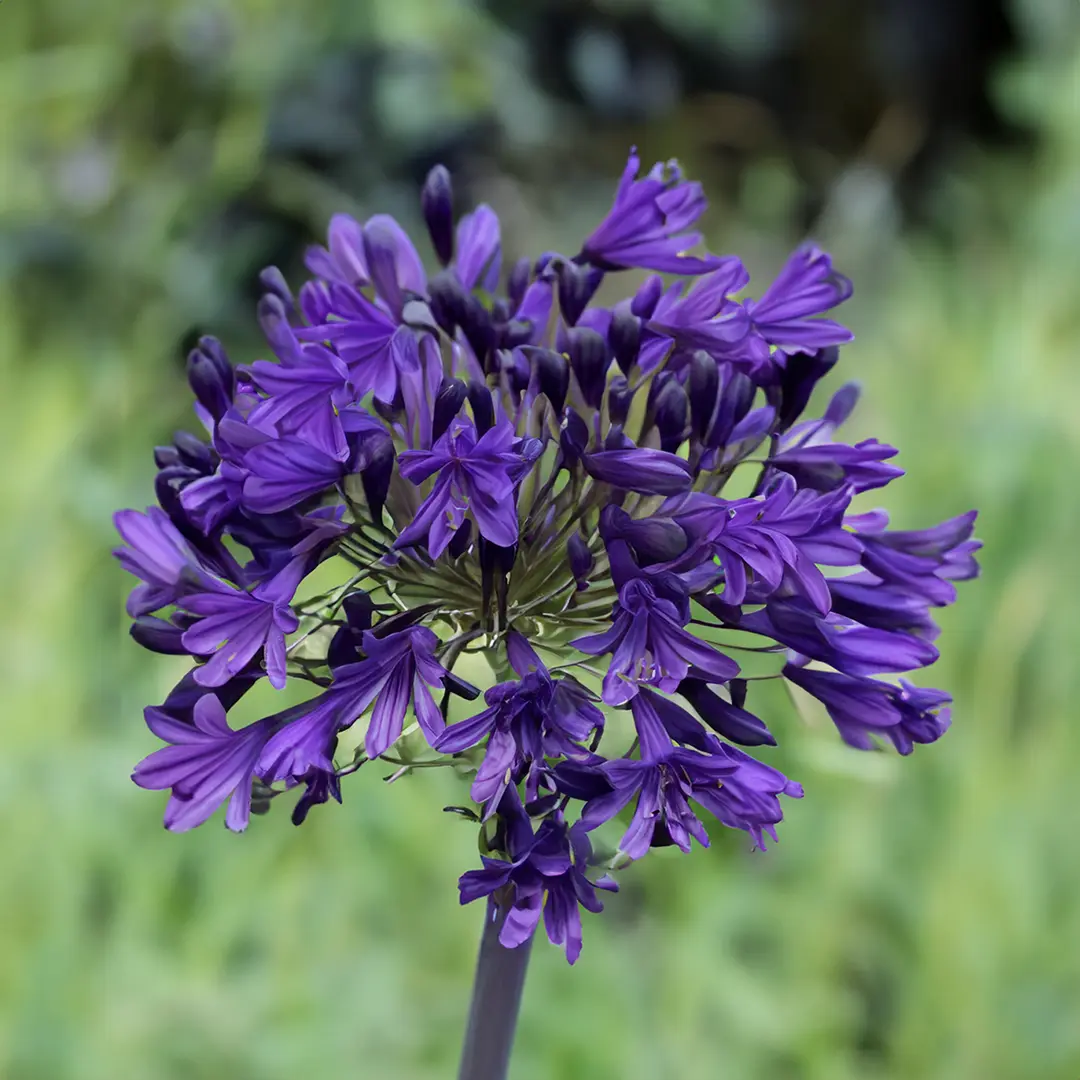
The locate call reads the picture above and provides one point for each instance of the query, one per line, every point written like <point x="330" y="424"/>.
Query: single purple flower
<point x="806" y="288"/>
<point x="234" y="625"/>
<point x="284" y="472"/>
<point x="828" y="466"/>
<point x="923" y="563"/>
<point x="645" y="227"/>
<point x="155" y="552"/>
<point x="393" y="263"/>
<point x="862" y="707"/>
<point x="305" y="392"/>
<point x="398" y="670"/>
<point x="649" y="645"/>
<point x="205" y="763"/>
<point x="704" y="317"/>
<point x="525" y="722"/>
<point x="837" y="641"/>
<point x="343" y="259"/>
<point x="739" y="791"/>
<point x="475" y="475"/>
<point x="372" y="344"/>
<point x="764" y="544"/>
<point x="546" y="871"/>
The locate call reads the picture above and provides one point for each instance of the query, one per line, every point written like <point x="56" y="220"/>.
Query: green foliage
<point x="918" y="920"/>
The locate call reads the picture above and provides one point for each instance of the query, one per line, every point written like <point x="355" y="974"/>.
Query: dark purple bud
<point x="344" y="648"/>
<point x="577" y="286"/>
<point x="620" y="397"/>
<point x="459" y="542"/>
<point x="182" y="698"/>
<point x="647" y="297"/>
<point x="496" y="559"/>
<point x="635" y="468"/>
<point x="402" y="620"/>
<point x="213" y="348"/>
<point x="194" y="453"/>
<point x="483" y="409"/>
<point x="518" y="281"/>
<point x="211" y="385"/>
<point x="737" y="689"/>
<point x="159" y="635"/>
<point x="704" y="386"/>
<point x="437" y="204"/>
<point x="273" y="282"/>
<point x="359" y="610"/>
<point x="321" y="787"/>
<point x="514" y="333"/>
<point x="573" y="437"/>
<point x="581" y="559"/>
<point x="547" y="264"/>
<point x="589" y="358"/>
<point x="653" y="539"/>
<point x="731" y="721"/>
<point x="478" y="328"/>
<point x="389" y="410"/>
<point x="447" y="299"/>
<point x="515" y="366"/>
<point x="842" y="404"/>
<point x="801" y="373"/>
<point x="580" y="780"/>
<point x="448" y="402"/>
<point x="624" y="337"/>
<point x="166" y="456"/>
<point x="457" y="686"/>
<point x="735" y="400"/>
<point x="375" y="478"/>
<point x="553" y="375"/>
<point x="274" y="320"/>
<point x="670" y="410"/>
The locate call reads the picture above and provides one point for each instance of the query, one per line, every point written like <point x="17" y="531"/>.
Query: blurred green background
<point x="920" y="918"/>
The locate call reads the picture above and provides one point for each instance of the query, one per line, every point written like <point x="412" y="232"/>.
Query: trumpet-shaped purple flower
<point x="234" y="625"/>
<point x="828" y="466"/>
<point x="205" y="763"/>
<point x="646" y="225"/>
<point x="475" y="476"/>
<point x="923" y="563"/>
<point x="862" y="708"/>
<point x="649" y="645"/>
<point x="399" y="670"/>
<point x="739" y="791"/>
<point x="527" y="720"/>
<point x="705" y="317"/>
<point x="546" y="872"/>
<point x="787" y="315"/>
<point x="305" y="391"/>
<point x="155" y="552"/>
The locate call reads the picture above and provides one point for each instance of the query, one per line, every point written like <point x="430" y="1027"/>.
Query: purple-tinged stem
<point x="496" y="1000"/>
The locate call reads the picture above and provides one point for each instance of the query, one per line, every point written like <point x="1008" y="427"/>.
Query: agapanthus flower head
<point x="496" y="473"/>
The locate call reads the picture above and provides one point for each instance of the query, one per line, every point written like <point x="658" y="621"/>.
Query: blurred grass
<point x="918" y="920"/>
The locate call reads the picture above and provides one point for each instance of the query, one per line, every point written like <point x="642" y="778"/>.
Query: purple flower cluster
<point x="600" y="505"/>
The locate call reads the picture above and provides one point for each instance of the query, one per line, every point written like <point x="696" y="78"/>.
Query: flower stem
<point x="497" y="988"/>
